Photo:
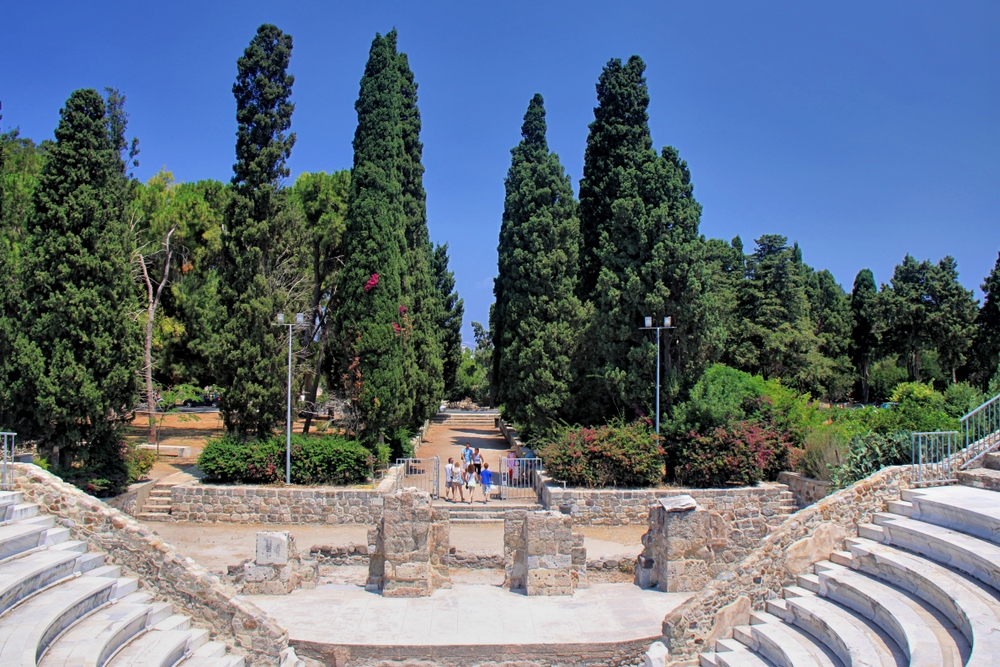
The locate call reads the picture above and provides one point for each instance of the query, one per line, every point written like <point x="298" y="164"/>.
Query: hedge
<point x="328" y="460"/>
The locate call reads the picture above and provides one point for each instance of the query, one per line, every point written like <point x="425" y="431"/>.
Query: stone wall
<point x="166" y="574"/>
<point x="206" y="503"/>
<point x="543" y="555"/>
<point x="408" y="546"/>
<point x="787" y="551"/>
<point x="805" y="489"/>
<point x="277" y="568"/>
<point x="133" y="499"/>
<point x="753" y="510"/>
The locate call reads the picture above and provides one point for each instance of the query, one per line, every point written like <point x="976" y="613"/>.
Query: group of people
<point x="470" y="473"/>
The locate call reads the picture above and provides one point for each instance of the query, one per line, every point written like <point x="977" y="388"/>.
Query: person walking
<point x="477" y="460"/>
<point x="470" y="481"/>
<point x="449" y="480"/>
<point x="467" y="456"/>
<point x="486" y="478"/>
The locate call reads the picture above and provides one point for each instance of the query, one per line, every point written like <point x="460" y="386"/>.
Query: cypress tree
<point x="251" y="361"/>
<point x="987" y="337"/>
<point x="537" y="316"/>
<point x="423" y="351"/>
<point x="864" y="333"/>
<point x="642" y="254"/>
<point x="953" y="323"/>
<point x="450" y="318"/>
<point x="80" y="349"/>
<point x="368" y="320"/>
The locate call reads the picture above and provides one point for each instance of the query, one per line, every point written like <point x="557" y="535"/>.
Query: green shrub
<point x="742" y="454"/>
<point x="329" y="460"/>
<point x="613" y="455"/>
<point x="824" y="453"/>
<point x="962" y="398"/>
<point x="870" y="453"/>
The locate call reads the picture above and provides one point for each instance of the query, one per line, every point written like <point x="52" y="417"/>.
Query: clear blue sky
<point x="863" y="130"/>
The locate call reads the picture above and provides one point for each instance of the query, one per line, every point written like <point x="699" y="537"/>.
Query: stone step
<point x="971" y="607"/>
<point x="900" y="507"/>
<point x="783" y="644"/>
<point x="21" y="577"/>
<point x="970" y="510"/>
<point x="159" y="648"/>
<point x="30" y="626"/>
<point x="976" y="557"/>
<point x="926" y="640"/>
<point x="730" y="653"/>
<point x="55" y="536"/>
<point x="992" y="461"/>
<point x="479" y="520"/>
<point x="16" y="538"/>
<point x="212" y="654"/>
<point x="152" y="516"/>
<point x="97" y="637"/>
<point x="21" y="511"/>
<point x="980" y="478"/>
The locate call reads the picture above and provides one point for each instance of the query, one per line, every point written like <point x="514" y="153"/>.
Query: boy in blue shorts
<point x="486" y="479"/>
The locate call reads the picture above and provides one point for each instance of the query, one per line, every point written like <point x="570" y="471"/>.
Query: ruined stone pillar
<point x="682" y="547"/>
<point x="543" y="556"/>
<point x="408" y="546"/>
<point x="277" y="568"/>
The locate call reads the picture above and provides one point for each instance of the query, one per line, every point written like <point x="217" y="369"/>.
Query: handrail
<point x="935" y="456"/>
<point x="974" y="411"/>
<point x="6" y="475"/>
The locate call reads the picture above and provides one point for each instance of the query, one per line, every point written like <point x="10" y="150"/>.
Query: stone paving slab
<point x="336" y="614"/>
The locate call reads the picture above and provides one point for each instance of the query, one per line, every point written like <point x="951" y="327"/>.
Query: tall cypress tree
<point x="864" y="333"/>
<point x="250" y="366"/>
<point x="537" y="317"/>
<point x="450" y="317"/>
<point x="642" y="253"/>
<point x="987" y="337"/>
<point x="368" y="320"/>
<point x="423" y="351"/>
<point x="79" y="352"/>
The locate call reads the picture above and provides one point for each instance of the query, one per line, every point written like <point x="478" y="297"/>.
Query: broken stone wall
<point x="277" y="568"/>
<point x="408" y="546"/>
<point x="542" y="554"/>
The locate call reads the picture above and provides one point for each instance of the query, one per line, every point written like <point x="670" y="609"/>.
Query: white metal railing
<point x="518" y="477"/>
<point x="423" y="474"/>
<point x="932" y="457"/>
<point x="938" y="456"/>
<point x="7" y="474"/>
<point x="981" y="431"/>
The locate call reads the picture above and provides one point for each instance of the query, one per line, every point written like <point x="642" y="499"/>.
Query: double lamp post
<point x="667" y="324"/>
<point x="300" y="321"/>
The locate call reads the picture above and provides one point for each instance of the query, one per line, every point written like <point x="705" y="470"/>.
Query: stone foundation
<point x="543" y="555"/>
<point x="408" y="546"/>
<point x="277" y="568"/>
<point x="805" y="489"/>
<point x="206" y="503"/>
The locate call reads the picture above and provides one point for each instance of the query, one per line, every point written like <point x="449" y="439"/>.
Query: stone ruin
<point x="277" y="569"/>
<point x="408" y="546"/>
<point x="684" y="548"/>
<point x="542" y="554"/>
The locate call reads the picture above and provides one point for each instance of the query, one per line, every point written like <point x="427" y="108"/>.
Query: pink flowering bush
<point x="372" y="282"/>
<point x="742" y="454"/>
<point x="612" y="455"/>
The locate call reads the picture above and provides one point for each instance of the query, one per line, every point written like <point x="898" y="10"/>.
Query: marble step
<point x="20" y="511"/>
<point x="927" y="639"/>
<point x="992" y="461"/>
<point x="16" y="538"/>
<point x="971" y="555"/>
<point x="212" y="654"/>
<point x="730" y="653"/>
<point x="159" y="648"/>
<point x="29" y="627"/>
<point x="22" y="577"/>
<point x="784" y="645"/>
<point x="849" y="636"/>
<point x="980" y="478"/>
<point x="967" y="604"/>
<point x="94" y="639"/>
<point x="963" y="508"/>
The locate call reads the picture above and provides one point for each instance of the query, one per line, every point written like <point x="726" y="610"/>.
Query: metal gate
<point x="423" y="474"/>
<point x="518" y="478"/>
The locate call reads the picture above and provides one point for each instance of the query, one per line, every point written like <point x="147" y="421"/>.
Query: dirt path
<point x="448" y="442"/>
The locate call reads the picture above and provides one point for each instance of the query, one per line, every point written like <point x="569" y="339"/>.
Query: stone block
<point x="272" y="548"/>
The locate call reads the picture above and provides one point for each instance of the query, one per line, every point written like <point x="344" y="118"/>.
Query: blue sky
<point x="862" y="130"/>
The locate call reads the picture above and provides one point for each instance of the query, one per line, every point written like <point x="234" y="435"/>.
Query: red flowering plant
<point x="612" y="455"/>
<point x="372" y="282"/>
<point x="741" y="454"/>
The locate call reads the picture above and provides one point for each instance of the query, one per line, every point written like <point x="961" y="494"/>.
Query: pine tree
<point x="536" y="284"/>
<point x="423" y="351"/>
<point x="255" y="250"/>
<point x="80" y="349"/>
<point x="830" y="310"/>
<point x="953" y="322"/>
<point x="987" y="336"/>
<point x="642" y="255"/>
<point x="370" y="325"/>
<point x="450" y="323"/>
<point x="864" y="333"/>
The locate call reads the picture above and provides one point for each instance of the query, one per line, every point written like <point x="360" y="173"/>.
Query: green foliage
<point x="864" y="339"/>
<point x="326" y="460"/>
<point x="986" y="342"/>
<point x="77" y="350"/>
<point x="450" y="319"/>
<point x="740" y="454"/>
<point x="870" y="453"/>
<point x="962" y="398"/>
<point x="258" y="241"/>
<point x="913" y="407"/>
<point x="537" y="318"/>
<point x="472" y="379"/>
<point x="823" y="453"/>
<point x="612" y="455"/>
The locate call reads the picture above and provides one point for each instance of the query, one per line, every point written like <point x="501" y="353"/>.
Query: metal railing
<point x="933" y="454"/>
<point x="7" y="474"/>
<point x="518" y="477"/>
<point x="423" y="474"/>
<point x="981" y="430"/>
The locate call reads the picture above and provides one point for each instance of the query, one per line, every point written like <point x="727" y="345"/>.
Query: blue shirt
<point x="467" y="455"/>
<point x="486" y="477"/>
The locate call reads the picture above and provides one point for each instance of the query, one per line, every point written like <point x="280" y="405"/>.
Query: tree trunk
<point x="152" y="301"/>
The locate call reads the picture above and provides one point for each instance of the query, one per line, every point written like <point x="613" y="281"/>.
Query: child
<point x="486" y="477"/>
<point x="449" y="479"/>
<point x="470" y="482"/>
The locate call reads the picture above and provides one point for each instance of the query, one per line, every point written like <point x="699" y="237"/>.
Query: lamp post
<point x="299" y="322"/>
<point x="667" y="324"/>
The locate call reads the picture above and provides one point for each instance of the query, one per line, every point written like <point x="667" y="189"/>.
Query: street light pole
<point x="667" y="324"/>
<point x="299" y="321"/>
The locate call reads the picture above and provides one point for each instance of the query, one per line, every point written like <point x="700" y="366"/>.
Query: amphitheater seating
<point x="920" y="586"/>
<point x="62" y="606"/>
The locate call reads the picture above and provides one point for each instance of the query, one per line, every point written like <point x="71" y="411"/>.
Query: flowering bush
<point x="612" y="455"/>
<point x="372" y="282"/>
<point x="743" y="453"/>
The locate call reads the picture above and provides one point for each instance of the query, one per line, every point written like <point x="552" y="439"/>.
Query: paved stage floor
<point x="341" y="614"/>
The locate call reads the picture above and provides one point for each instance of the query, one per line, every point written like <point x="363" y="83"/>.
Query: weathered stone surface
<point x="801" y="554"/>
<point x="656" y="656"/>
<point x="735" y="613"/>
<point x="408" y="548"/>
<point x="272" y="548"/>
<point x="678" y="503"/>
<point x="543" y="555"/>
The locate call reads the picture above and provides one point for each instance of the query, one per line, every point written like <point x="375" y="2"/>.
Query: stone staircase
<point x="158" y="504"/>
<point x="469" y="419"/>
<point x="986" y="477"/>
<point x="62" y="606"/>
<point x="478" y="513"/>
<point x="920" y="586"/>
